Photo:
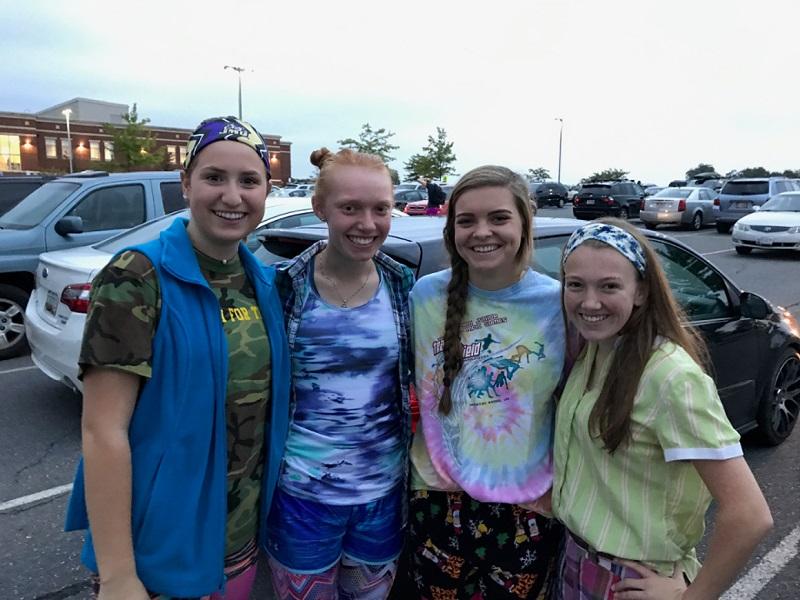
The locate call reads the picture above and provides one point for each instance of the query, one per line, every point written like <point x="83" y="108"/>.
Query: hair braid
<point x="453" y="349"/>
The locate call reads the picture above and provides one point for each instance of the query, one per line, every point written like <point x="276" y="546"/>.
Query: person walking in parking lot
<point x="642" y="442"/>
<point x="185" y="371"/>
<point x="336" y="527"/>
<point x="489" y="344"/>
<point x="436" y="196"/>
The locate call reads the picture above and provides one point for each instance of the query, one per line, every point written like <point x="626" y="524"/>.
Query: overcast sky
<point x="650" y="87"/>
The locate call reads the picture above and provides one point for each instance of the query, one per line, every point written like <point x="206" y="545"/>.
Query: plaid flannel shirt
<point x="292" y="283"/>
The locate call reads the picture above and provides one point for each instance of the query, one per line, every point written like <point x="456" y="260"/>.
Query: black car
<point x="13" y="189"/>
<point x="754" y="347"/>
<point x="550" y="193"/>
<point x="403" y="197"/>
<point x="608" y="199"/>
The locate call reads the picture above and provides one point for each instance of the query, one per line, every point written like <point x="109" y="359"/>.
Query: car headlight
<point x="789" y="319"/>
<point x="738" y="226"/>
<point x="793" y="229"/>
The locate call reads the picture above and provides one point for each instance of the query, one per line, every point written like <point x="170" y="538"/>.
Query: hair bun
<point x="318" y="157"/>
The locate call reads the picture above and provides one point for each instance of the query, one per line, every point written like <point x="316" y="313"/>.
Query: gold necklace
<point x="344" y="299"/>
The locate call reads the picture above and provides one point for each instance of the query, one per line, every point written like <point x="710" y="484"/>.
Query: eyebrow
<point x="499" y="211"/>
<point x="214" y="169"/>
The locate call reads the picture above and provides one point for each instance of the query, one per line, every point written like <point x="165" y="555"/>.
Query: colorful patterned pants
<point x="588" y="575"/>
<point x="464" y="549"/>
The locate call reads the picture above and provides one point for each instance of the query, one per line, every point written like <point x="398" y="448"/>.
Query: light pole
<point x="239" y="73"/>
<point x="67" y="112"/>
<point x="560" y="137"/>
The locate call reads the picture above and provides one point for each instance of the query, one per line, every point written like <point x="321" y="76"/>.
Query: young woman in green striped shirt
<point x="642" y="443"/>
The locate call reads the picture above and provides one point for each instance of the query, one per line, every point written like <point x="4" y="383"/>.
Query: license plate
<point x="744" y="205"/>
<point x="590" y="202"/>
<point x="51" y="304"/>
<point x="764" y="241"/>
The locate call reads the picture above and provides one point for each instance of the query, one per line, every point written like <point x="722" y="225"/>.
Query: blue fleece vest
<point x="178" y="433"/>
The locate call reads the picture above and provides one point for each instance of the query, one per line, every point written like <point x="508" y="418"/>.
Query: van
<point x="739" y="197"/>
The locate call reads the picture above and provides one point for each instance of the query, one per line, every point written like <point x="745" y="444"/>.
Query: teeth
<point x="490" y="248"/>
<point x="230" y="216"/>
<point x="593" y="318"/>
<point x="361" y="241"/>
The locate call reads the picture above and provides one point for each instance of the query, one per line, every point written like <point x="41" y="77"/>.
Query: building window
<point x="65" y="149"/>
<point x="109" y="151"/>
<point x="171" y="154"/>
<point x="94" y="149"/>
<point x="182" y="154"/>
<point x="10" y="159"/>
<point x="50" y="149"/>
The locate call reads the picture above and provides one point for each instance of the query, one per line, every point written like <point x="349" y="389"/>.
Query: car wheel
<point x="623" y="213"/>
<point x="780" y="405"/>
<point x="12" y="321"/>
<point x="743" y="250"/>
<point x="723" y="227"/>
<point x="697" y="222"/>
<point x="560" y="203"/>
<point x="651" y="226"/>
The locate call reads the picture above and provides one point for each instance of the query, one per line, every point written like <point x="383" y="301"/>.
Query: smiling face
<point x="358" y="209"/>
<point x="601" y="289"/>
<point x="226" y="189"/>
<point x="487" y="235"/>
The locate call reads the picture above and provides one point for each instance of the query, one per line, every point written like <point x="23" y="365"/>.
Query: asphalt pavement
<point x="40" y="443"/>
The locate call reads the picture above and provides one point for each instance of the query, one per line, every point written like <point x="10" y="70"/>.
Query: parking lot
<point x="40" y="441"/>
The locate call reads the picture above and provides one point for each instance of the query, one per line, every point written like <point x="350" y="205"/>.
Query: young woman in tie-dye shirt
<point x="489" y="348"/>
<point x="336" y="525"/>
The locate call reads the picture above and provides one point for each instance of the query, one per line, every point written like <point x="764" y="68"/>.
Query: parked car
<point x="14" y="188"/>
<point x="420" y="207"/>
<point x="404" y="197"/>
<point x="409" y="185"/>
<point x="652" y="190"/>
<point x="739" y="197"/>
<point x="608" y="199"/>
<point x="775" y="226"/>
<point x="691" y="207"/>
<point x="56" y="313"/>
<point x="550" y="193"/>
<point x="754" y="347"/>
<point x="65" y="213"/>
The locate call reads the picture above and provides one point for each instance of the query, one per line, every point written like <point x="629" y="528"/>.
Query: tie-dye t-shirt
<point x="496" y="442"/>
<point x="344" y="444"/>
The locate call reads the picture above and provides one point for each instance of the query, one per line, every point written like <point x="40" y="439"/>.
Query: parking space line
<point x="37" y="497"/>
<point x="717" y="252"/>
<point x="18" y="369"/>
<point x="757" y="578"/>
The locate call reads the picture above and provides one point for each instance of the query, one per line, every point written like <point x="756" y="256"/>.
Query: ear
<point x="185" y="186"/>
<point x="641" y="294"/>
<point x="318" y="206"/>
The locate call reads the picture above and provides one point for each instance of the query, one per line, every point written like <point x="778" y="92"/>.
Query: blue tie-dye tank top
<point x="344" y="445"/>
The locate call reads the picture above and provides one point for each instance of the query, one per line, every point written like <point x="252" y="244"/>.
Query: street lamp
<point x="560" y="137"/>
<point x="67" y="112"/>
<point x="239" y="73"/>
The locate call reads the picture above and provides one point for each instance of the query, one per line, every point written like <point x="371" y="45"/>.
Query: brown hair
<point x="328" y="161"/>
<point x="480" y="177"/>
<point x="658" y="315"/>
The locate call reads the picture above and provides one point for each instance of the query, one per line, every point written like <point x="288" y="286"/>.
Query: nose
<point x="590" y="299"/>
<point x="367" y="221"/>
<point x="482" y="228"/>
<point x="231" y="194"/>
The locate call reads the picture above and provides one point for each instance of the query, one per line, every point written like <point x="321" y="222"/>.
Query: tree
<point x="134" y="146"/>
<point x="753" y="172"/>
<point x="791" y="173"/>
<point x="701" y="168"/>
<point x="435" y="161"/>
<point x="372" y="141"/>
<point x="537" y="174"/>
<point x="606" y="175"/>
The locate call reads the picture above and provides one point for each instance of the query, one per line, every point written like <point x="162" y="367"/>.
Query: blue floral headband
<point x="619" y="239"/>
<point x="226" y="128"/>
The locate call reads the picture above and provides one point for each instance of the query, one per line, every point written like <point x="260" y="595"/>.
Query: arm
<point x="743" y="519"/>
<point x="109" y="400"/>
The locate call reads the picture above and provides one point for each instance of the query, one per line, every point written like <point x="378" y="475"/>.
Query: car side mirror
<point x="753" y="306"/>
<point x="67" y="225"/>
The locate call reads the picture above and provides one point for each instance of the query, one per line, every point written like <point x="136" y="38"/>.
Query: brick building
<point x="38" y="141"/>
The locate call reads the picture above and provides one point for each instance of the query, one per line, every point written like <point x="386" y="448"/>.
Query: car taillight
<point x="405" y="210"/>
<point x="76" y="297"/>
<point x="641" y="205"/>
<point x="681" y="205"/>
<point x="608" y="200"/>
<point x="576" y="201"/>
<point x="716" y="201"/>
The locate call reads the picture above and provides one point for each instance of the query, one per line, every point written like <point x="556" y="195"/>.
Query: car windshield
<point x="138" y="235"/>
<point x="596" y="189"/>
<point x="673" y="193"/>
<point x="37" y="205"/>
<point x="746" y="188"/>
<point x="783" y="203"/>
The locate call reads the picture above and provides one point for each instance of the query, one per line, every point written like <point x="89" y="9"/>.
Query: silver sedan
<point x="690" y="207"/>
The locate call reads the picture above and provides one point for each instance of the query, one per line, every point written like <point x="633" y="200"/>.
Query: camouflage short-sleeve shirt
<point x="122" y="319"/>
